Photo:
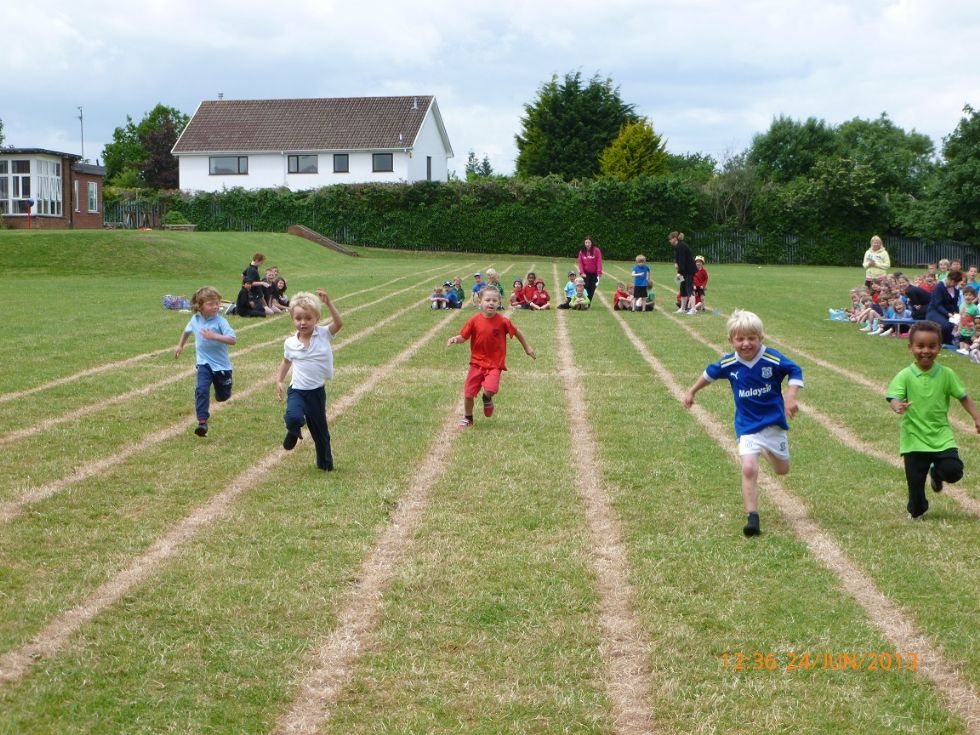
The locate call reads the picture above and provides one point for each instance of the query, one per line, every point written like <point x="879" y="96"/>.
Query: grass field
<point x="573" y="564"/>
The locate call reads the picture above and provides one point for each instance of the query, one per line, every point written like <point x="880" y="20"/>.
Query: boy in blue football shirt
<point x="756" y="374"/>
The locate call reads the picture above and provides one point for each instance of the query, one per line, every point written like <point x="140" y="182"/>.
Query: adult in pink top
<point x="590" y="265"/>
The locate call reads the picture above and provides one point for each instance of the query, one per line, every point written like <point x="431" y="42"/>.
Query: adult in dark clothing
<point x="944" y="303"/>
<point x="684" y="260"/>
<point x="251" y="298"/>
<point x="918" y="301"/>
<point x="590" y="265"/>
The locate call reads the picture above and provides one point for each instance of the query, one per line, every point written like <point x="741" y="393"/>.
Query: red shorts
<point x="478" y="377"/>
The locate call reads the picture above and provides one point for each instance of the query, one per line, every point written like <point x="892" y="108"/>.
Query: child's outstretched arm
<point x="281" y="376"/>
<point x="698" y="385"/>
<point x="455" y="340"/>
<point x="528" y="350"/>
<point x="336" y="321"/>
<point x="180" y="344"/>
<point x="971" y="408"/>
<point x="789" y="400"/>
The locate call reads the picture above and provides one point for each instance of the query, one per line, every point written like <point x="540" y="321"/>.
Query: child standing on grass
<point x="641" y="275"/>
<point x="700" y="282"/>
<point x="212" y="335"/>
<point x="487" y="332"/>
<point x="756" y="374"/>
<point x="310" y="355"/>
<point x="920" y="393"/>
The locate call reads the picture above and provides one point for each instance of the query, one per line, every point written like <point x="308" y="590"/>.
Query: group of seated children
<point x="530" y="293"/>
<point x="890" y="304"/>
<point x="448" y="296"/>
<point x="261" y="295"/>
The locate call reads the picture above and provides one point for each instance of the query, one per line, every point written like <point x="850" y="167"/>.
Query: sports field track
<point x="573" y="564"/>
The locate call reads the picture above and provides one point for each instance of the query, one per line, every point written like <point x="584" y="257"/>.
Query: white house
<point x="308" y="143"/>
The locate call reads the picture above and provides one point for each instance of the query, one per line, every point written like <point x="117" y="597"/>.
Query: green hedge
<point x="545" y="216"/>
<point x="542" y="216"/>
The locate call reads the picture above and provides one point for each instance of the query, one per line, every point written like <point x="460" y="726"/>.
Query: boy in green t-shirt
<point x="921" y="393"/>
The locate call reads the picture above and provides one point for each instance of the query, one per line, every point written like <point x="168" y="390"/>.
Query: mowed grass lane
<point x="490" y="625"/>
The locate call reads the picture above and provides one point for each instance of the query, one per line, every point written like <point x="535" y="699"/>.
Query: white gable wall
<point x="429" y="143"/>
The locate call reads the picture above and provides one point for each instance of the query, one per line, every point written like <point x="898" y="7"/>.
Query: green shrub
<point x="174" y="217"/>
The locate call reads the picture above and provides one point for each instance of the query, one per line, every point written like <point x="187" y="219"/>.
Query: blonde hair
<point x="744" y="322"/>
<point x="876" y="239"/>
<point x="306" y="301"/>
<point x="641" y="259"/>
<point x="490" y="272"/>
<point x="202" y="296"/>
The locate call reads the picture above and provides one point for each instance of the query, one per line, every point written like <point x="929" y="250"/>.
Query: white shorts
<point x="773" y="439"/>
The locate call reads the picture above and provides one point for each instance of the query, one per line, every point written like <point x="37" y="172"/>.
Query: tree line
<point x="799" y="177"/>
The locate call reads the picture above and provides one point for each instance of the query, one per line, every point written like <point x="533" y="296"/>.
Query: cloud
<point x="708" y="73"/>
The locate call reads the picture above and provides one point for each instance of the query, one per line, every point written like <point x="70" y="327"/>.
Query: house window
<point x="78" y="204"/>
<point x="341" y="163"/>
<point x="49" y="190"/>
<point x="302" y="164"/>
<point x="383" y="162"/>
<point x="93" y="197"/>
<point x="428" y="168"/>
<point x="4" y="188"/>
<point x="229" y="165"/>
<point x="20" y="186"/>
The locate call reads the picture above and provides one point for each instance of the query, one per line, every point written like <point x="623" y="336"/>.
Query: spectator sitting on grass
<point x="569" y="291"/>
<point x="944" y="303"/>
<point x="478" y="285"/>
<point x="518" y="299"/>
<point x="968" y="317"/>
<point x="541" y="299"/>
<point x="453" y="301"/>
<point x="580" y="300"/>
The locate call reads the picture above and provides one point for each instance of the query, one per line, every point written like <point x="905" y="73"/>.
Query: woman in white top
<point x="876" y="261"/>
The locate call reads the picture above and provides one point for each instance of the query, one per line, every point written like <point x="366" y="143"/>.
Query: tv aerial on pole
<point x="81" y="125"/>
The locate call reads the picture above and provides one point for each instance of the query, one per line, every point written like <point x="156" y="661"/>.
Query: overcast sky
<point x="708" y="74"/>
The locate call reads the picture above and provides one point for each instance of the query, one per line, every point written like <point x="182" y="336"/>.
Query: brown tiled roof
<point x="340" y="123"/>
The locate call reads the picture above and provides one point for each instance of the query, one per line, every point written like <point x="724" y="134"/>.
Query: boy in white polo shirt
<point x="310" y="355"/>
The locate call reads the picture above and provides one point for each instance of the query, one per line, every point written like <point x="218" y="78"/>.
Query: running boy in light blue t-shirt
<point x="212" y="336"/>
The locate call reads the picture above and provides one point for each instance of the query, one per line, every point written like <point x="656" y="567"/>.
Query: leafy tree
<point x="476" y="168"/>
<point x="958" y="186"/>
<point x="732" y="191"/>
<point x="698" y="167"/>
<point x="141" y="153"/>
<point x="1" y="132"/>
<point x="568" y="126"/>
<point x="636" y="151"/>
<point x="790" y="148"/>
<point x="901" y="161"/>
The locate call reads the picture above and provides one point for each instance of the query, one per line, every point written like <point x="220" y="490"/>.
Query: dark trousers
<point x="206" y="377"/>
<point x="949" y="468"/>
<point x="310" y="407"/>
<point x="591" y="280"/>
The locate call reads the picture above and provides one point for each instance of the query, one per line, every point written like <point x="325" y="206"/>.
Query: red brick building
<point x="56" y="189"/>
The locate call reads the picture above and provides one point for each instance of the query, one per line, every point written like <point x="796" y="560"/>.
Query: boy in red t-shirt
<point x="487" y="332"/>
